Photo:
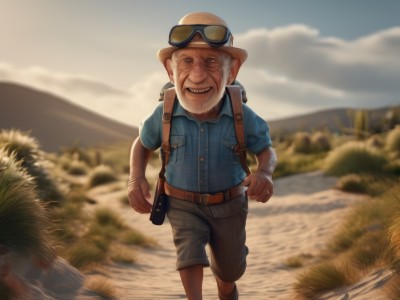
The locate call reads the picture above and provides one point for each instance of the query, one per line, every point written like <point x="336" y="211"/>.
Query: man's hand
<point x="260" y="186"/>
<point x="139" y="194"/>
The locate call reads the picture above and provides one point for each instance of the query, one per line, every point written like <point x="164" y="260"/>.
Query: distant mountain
<point x="56" y="122"/>
<point x="334" y="120"/>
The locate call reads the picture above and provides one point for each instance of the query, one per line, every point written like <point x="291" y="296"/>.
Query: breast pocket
<point x="177" y="149"/>
<point x="229" y="149"/>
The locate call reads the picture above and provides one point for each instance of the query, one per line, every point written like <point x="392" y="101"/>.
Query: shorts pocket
<point x="230" y="208"/>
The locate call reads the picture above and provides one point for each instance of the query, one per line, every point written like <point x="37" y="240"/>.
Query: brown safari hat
<point x="204" y="18"/>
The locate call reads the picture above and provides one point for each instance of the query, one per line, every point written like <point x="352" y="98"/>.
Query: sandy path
<point x="298" y="219"/>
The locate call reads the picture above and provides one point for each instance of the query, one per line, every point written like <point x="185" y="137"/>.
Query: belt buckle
<point x="204" y="199"/>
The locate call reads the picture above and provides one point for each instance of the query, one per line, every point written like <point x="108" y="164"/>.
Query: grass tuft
<point x="101" y="286"/>
<point x="321" y="278"/>
<point x="26" y="150"/>
<point x="100" y="175"/>
<point x="354" y="157"/>
<point x="24" y="225"/>
<point x="393" y="141"/>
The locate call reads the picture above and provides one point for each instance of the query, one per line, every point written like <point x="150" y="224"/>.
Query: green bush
<point x="352" y="183"/>
<point x="319" y="279"/>
<point x="27" y="150"/>
<point x="77" y="153"/>
<point x="106" y="217"/>
<point x="23" y="219"/>
<point x="301" y="143"/>
<point x="84" y="254"/>
<point x="77" y="167"/>
<point x="354" y="157"/>
<point x="320" y="142"/>
<point x="100" y="175"/>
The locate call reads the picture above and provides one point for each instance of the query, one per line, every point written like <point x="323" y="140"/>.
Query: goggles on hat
<point x="214" y="35"/>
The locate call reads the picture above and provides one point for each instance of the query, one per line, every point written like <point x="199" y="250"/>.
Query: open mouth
<point x="199" y="91"/>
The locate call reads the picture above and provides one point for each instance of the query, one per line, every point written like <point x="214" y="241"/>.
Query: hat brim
<point x="166" y="53"/>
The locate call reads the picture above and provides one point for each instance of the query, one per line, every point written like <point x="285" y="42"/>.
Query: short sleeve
<point x="257" y="131"/>
<point x="150" y="130"/>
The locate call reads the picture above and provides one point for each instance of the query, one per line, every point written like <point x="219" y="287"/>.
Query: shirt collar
<point x="226" y="108"/>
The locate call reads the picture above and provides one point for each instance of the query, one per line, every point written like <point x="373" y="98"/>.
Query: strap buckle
<point x="204" y="199"/>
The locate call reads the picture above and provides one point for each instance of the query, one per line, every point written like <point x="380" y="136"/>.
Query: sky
<point x="304" y="55"/>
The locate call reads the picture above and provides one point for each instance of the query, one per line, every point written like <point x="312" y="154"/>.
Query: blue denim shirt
<point x="202" y="156"/>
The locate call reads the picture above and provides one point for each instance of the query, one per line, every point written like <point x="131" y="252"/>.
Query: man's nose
<point x="198" y="72"/>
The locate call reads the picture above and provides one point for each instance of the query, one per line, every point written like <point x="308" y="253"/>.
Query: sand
<point x="299" y="219"/>
<point x="303" y="213"/>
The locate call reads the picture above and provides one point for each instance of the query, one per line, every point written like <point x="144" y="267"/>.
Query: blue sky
<point x="304" y="55"/>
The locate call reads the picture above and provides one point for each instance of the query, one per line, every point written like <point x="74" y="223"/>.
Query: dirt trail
<point x="302" y="214"/>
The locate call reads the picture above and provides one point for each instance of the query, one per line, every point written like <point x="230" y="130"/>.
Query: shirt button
<point x="202" y="130"/>
<point x="201" y="158"/>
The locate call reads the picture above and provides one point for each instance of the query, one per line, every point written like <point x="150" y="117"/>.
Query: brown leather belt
<point x="204" y="199"/>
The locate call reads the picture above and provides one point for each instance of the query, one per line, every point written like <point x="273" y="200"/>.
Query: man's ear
<point x="170" y="70"/>
<point x="235" y="66"/>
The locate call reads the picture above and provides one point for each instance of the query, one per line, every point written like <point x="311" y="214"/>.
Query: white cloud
<point x="300" y="70"/>
<point x="290" y="70"/>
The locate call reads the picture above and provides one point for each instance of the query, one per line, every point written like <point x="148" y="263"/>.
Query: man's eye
<point x="212" y="63"/>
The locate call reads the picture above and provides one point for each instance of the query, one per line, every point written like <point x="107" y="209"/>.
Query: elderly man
<point x="200" y="62"/>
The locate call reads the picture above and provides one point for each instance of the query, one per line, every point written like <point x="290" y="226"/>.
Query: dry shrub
<point x="301" y="143"/>
<point x="102" y="174"/>
<point x="352" y="183"/>
<point x="102" y="287"/>
<point x="394" y="240"/>
<point x="393" y="141"/>
<point x="354" y="157"/>
<point x="123" y="254"/>
<point x="322" y="278"/>
<point x="320" y="142"/>
<point x="27" y="150"/>
<point x="78" y="167"/>
<point x="84" y="254"/>
<point x="392" y="287"/>
<point x="24" y="224"/>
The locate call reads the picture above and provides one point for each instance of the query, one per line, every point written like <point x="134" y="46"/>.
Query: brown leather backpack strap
<point x="236" y="102"/>
<point x="169" y="101"/>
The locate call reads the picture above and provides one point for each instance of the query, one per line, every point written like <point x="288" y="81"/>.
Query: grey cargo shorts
<point x="220" y="226"/>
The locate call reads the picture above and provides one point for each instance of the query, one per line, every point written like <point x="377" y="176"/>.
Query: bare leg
<point x="192" y="280"/>
<point x="226" y="290"/>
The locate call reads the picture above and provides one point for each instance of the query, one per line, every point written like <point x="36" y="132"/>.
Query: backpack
<point x="237" y="95"/>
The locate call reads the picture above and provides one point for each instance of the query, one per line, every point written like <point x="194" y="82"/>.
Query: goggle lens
<point x="214" y="35"/>
<point x="180" y="34"/>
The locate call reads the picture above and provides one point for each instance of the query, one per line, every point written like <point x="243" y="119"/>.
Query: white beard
<point x="200" y="107"/>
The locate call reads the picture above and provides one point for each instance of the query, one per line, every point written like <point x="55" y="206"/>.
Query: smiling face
<point x="200" y="77"/>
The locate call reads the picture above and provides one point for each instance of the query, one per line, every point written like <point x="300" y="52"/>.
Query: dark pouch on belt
<point x="157" y="215"/>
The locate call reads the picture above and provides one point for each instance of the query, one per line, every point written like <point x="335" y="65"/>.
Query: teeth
<point x="199" y="91"/>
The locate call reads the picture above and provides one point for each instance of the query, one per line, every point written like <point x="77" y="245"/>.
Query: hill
<point x="56" y="122"/>
<point x="334" y="120"/>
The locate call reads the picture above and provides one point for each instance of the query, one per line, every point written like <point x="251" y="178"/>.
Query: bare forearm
<point x="138" y="186"/>
<point x="138" y="160"/>
<point x="266" y="161"/>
